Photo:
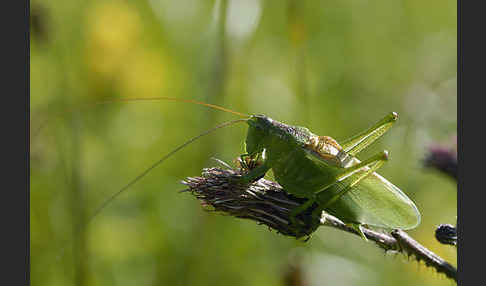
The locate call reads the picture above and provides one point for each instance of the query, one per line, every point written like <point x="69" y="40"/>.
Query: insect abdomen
<point x="298" y="175"/>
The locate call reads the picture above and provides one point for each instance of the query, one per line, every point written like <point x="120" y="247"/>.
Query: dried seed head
<point x="263" y="201"/>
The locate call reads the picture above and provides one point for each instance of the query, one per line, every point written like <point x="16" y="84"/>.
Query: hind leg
<point x="355" y="144"/>
<point x="355" y="180"/>
<point x="372" y="163"/>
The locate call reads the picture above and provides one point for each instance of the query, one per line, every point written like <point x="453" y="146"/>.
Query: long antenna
<point x="136" y="179"/>
<point x="175" y="99"/>
<point x="129" y="99"/>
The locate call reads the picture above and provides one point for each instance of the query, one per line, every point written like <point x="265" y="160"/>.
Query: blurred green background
<point x="335" y="67"/>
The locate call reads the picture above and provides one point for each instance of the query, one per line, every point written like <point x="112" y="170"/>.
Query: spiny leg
<point x="242" y="162"/>
<point x="254" y="173"/>
<point x="380" y="157"/>
<point x="343" y="173"/>
<point x="355" y="144"/>
<point x="359" y="177"/>
<point x="251" y="161"/>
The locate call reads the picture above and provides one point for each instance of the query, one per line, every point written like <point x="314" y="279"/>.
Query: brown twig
<point x="409" y="245"/>
<point x="267" y="203"/>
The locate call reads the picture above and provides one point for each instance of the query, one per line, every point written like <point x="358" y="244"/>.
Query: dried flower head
<point x="263" y="201"/>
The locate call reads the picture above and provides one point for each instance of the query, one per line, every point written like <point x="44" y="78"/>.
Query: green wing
<point x="373" y="201"/>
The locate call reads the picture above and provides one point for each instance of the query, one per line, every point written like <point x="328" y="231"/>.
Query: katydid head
<point x="263" y="130"/>
<point x="270" y="125"/>
<point x="257" y="126"/>
<point x="260" y="121"/>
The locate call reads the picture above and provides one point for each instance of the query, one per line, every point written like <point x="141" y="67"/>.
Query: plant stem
<point x="267" y="203"/>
